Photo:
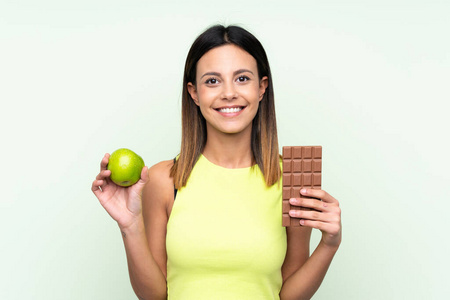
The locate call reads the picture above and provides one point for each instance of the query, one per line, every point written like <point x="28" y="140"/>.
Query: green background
<point x="367" y="80"/>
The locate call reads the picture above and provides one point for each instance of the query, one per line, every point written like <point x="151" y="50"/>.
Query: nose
<point x="229" y="91"/>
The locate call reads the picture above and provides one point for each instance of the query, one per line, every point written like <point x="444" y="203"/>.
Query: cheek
<point x="206" y="94"/>
<point x="251" y="93"/>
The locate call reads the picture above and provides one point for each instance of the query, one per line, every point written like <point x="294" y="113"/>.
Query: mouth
<point x="230" y="110"/>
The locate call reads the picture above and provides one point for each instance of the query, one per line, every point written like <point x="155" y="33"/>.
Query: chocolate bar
<point x="302" y="168"/>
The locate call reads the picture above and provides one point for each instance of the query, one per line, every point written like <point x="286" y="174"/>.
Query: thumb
<point x="144" y="175"/>
<point x="139" y="186"/>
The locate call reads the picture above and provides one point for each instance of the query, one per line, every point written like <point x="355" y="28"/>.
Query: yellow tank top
<point x="224" y="236"/>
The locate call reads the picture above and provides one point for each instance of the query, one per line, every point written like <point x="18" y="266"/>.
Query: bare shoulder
<point x="159" y="187"/>
<point x="160" y="172"/>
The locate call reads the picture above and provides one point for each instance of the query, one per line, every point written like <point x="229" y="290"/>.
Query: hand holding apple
<point x="123" y="203"/>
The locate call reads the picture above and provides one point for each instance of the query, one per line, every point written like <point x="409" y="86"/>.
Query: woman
<point x="208" y="224"/>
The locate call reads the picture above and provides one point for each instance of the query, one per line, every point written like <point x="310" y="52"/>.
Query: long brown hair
<point x="264" y="140"/>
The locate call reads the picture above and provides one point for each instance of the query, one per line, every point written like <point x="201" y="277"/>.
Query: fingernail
<point x="302" y="222"/>
<point x="303" y="191"/>
<point x="293" y="200"/>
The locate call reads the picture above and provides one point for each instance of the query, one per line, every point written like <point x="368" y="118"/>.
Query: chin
<point x="232" y="131"/>
<point x="229" y="129"/>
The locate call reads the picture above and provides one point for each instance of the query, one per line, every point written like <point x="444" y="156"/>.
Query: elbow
<point x="160" y="295"/>
<point x="152" y="297"/>
<point x="145" y="294"/>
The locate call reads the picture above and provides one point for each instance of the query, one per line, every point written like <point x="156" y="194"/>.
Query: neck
<point x="229" y="150"/>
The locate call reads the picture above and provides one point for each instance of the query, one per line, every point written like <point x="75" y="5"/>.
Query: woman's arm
<point x="157" y="203"/>
<point x="302" y="275"/>
<point x="148" y="271"/>
<point x="147" y="279"/>
<point x="125" y="206"/>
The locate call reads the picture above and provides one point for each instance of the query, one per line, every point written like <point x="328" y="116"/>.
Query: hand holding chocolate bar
<point x="304" y="203"/>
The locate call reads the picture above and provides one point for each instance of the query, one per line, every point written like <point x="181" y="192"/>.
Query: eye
<point x="243" y="78"/>
<point x="211" y="80"/>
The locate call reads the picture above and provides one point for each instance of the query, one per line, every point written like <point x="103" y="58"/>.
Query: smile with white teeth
<point x="229" y="109"/>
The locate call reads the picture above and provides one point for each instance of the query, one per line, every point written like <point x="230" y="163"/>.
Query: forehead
<point x="226" y="58"/>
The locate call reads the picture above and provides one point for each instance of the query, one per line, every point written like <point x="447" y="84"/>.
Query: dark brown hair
<point x="264" y="140"/>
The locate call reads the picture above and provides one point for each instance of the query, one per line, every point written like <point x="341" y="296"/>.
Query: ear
<point x="263" y="83"/>
<point x="193" y="92"/>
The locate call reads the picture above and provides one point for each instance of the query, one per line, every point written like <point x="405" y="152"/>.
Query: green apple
<point x="125" y="167"/>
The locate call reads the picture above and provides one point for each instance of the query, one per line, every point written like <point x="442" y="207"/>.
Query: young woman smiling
<point x="207" y="225"/>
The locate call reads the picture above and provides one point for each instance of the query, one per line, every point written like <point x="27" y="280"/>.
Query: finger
<point x="97" y="187"/>
<point x="313" y="215"/>
<point x="329" y="228"/>
<point x="103" y="174"/>
<point x="310" y="203"/>
<point x="138" y="187"/>
<point x="319" y="194"/>
<point x="144" y="174"/>
<point x="104" y="162"/>
<point x="144" y="177"/>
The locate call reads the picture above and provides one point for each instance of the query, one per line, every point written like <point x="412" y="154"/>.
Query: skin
<point x="226" y="77"/>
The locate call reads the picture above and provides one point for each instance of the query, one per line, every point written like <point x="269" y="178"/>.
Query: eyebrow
<point x="234" y="73"/>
